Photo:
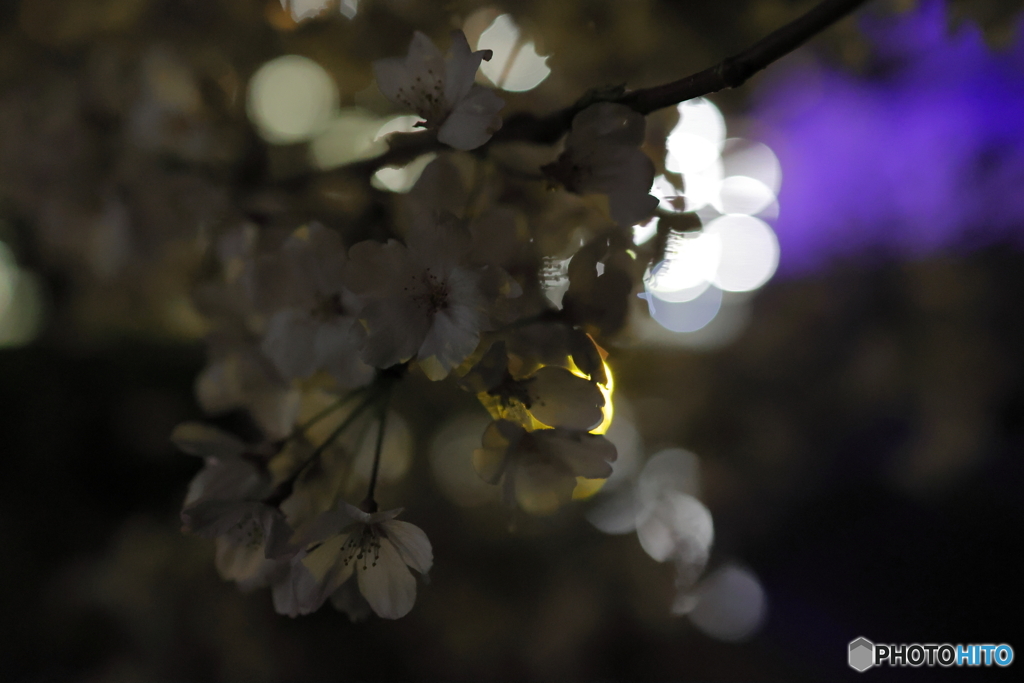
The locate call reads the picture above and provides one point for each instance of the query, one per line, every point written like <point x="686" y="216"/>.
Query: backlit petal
<point x="473" y="120"/>
<point x="411" y="543"/>
<point x="386" y="582"/>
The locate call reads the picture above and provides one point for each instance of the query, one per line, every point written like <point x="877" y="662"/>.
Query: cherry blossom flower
<point x="294" y="590"/>
<point x="224" y="501"/>
<point x="602" y="156"/>
<point x="441" y="90"/>
<point x="426" y="300"/>
<point x="375" y="547"/>
<point x="538" y="469"/>
<point x="239" y="375"/>
<point x="550" y="396"/>
<point x="313" y="321"/>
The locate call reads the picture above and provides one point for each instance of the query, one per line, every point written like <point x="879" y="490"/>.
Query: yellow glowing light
<point x="585" y="488"/>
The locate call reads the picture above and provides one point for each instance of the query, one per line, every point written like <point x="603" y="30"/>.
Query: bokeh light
<point x="686" y="316"/>
<point x="306" y="9"/>
<point x="660" y="504"/>
<point x="726" y="182"/>
<point x="291" y="99"/>
<point x="643" y="232"/>
<point x="729" y="604"/>
<point x="743" y="195"/>
<point x="670" y="198"/>
<point x="451" y="460"/>
<point x="690" y="264"/>
<point x="400" y="178"/>
<point x="352" y="135"/>
<point x="671" y="469"/>
<point x="396" y="449"/>
<point x="750" y="252"/>
<point x="696" y="141"/>
<point x="752" y="159"/>
<point x="515" y="65"/>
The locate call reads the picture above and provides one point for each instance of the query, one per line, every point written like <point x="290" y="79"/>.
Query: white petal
<point x="396" y="72"/>
<point x="326" y="562"/>
<point x="377" y="268"/>
<point x="297" y="593"/>
<point x="453" y="335"/>
<point x="409" y="82"/>
<point x="322" y="258"/>
<point x="561" y="399"/>
<point x="382" y="516"/>
<point x="289" y="343"/>
<point x="349" y="600"/>
<point x="214" y="517"/>
<point x="392" y="76"/>
<point x="386" y="582"/>
<point x="276" y="533"/>
<point x="396" y="327"/>
<point x="246" y="566"/>
<point x="321" y="527"/>
<point x="455" y="329"/>
<point x="272" y="285"/>
<point x="229" y="479"/>
<point x="357" y="516"/>
<point x="440" y="188"/>
<point x="586" y="455"/>
<point x="461" y="68"/>
<point x="336" y="347"/>
<point x="195" y="438"/>
<point x="608" y="123"/>
<point x="423" y="53"/>
<point x="411" y="543"/>
<point x="473" y="121"/>
<point x="438" y="242"/>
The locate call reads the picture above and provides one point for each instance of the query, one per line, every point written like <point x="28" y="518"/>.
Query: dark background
<point x="861" y="440"/>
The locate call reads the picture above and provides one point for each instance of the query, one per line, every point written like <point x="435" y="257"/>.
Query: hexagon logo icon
<point x="862" y="654"/>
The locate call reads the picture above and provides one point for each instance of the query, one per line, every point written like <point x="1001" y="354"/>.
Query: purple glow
<point x="925" y="158"/>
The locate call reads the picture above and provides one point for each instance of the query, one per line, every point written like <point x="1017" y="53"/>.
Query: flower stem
<point x="284" y="489"/>
<point x="301" y="429"/>
<point x="370" y="504"/>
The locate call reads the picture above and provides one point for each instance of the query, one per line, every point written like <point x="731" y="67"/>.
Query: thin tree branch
<point x="730" y="73"/>
<point x="736" y="70"/>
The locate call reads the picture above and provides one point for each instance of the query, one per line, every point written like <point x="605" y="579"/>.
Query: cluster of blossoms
<point x="315" y="325"/>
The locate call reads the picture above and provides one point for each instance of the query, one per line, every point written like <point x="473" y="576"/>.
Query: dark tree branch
<point x="730" y="73"/>
<point x="736" y="70"/>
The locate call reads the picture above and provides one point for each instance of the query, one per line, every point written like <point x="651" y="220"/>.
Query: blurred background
<point x="834" y="366"/>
